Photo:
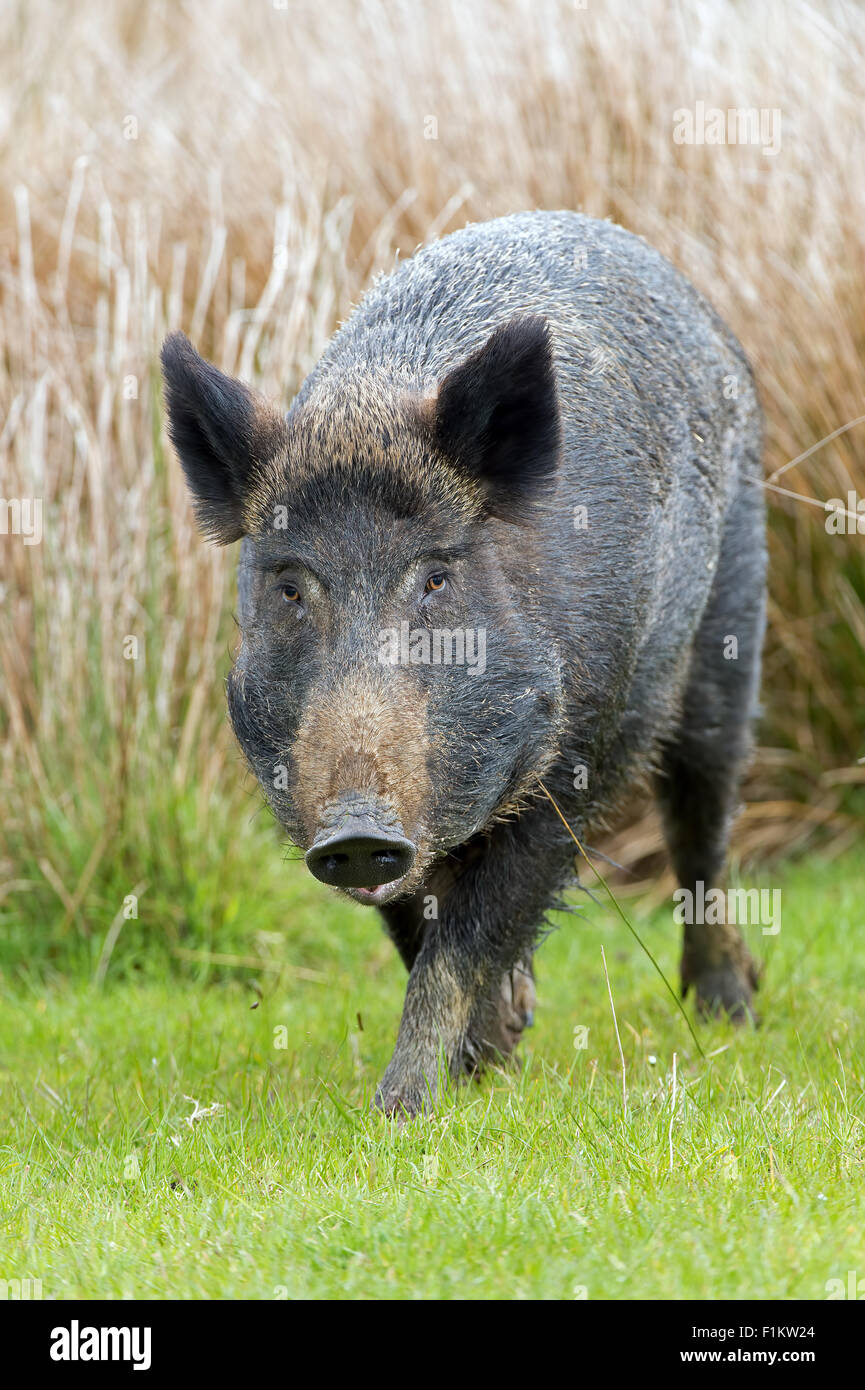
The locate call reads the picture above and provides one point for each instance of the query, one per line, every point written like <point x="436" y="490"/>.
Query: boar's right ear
<point x="222" y="432"/>
<point x="497" y="413"/>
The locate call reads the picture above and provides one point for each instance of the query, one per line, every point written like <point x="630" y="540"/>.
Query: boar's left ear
<point x="222" y="432"/>
<point x="497" y="413"/>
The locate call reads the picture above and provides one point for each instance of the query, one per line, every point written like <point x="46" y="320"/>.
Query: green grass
<point x="521" y="1186"/>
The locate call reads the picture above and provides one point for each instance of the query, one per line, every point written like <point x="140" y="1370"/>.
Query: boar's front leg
<point x="458" y="1009"/>
<point x="513" y="1011"/>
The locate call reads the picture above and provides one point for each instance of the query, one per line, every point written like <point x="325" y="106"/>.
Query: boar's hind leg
<point x="514" y="1010"/>
<point x="457" y="1010"/>
<point x="698" y="785"/>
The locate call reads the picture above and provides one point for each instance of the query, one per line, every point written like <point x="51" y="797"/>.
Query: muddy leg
<point x="467" y="999"/>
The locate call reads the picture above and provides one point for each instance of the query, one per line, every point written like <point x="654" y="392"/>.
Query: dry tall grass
<point x="242" y="170"/>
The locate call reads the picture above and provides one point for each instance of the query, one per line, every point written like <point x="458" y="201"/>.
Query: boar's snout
<point x="360" y="850"/>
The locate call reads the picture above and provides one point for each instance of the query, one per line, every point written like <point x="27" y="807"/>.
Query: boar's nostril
<point x="361" y="856"/>
<point x="385" y="857"/>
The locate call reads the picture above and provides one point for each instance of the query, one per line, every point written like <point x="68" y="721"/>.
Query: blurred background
<point x="242" y="171"/>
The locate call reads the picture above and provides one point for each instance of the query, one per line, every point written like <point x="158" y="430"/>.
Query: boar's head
<point x="394" y="690"/>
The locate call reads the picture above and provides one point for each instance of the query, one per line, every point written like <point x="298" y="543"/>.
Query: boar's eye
<point x="290" y="593"/>
<point x="435" y="583"/>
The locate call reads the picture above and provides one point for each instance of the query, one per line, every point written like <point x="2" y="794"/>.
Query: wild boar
<point x="509" y="533"/>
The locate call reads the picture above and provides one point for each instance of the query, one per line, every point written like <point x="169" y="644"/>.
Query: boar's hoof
<point x="401" y="1102"/>
<point x="725" y="989"/>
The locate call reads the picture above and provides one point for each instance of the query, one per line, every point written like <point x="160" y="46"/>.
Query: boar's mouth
<point x="378" y="896"/>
